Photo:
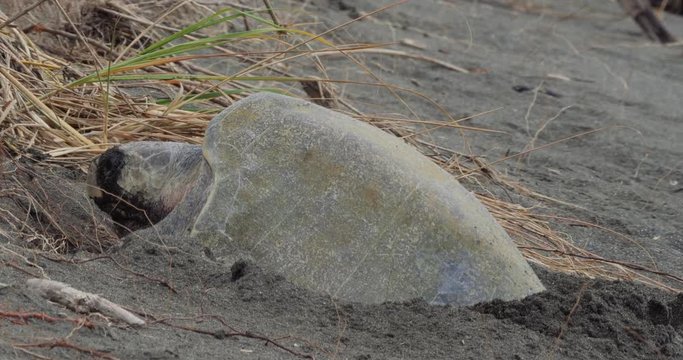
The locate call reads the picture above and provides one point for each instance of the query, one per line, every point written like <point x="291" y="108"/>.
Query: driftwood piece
<point x="81" y="302"/>
<point x="642" y="14"/>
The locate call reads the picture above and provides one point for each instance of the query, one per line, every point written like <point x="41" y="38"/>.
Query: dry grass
<point x="50" y="116"/>
<point x="40" y="206"/>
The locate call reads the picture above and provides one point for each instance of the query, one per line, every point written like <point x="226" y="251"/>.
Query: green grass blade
<point x="209" y="21"/>
<point x="218" y="93"/>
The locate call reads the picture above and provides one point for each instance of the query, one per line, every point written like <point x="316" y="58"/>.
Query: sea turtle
<point x="329" y="202"/>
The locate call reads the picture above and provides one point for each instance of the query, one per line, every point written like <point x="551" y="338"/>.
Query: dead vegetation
<point x="94" y="74"/>
<point x="49" y="213"/>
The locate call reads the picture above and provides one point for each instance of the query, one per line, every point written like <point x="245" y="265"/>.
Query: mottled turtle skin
<point x="331" y="203"/>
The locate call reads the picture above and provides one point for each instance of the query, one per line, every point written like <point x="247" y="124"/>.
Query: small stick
<point x="24" y="316"/>
<point x="65" y="344"/>
<point x="21" y="13"/>
<point x="81" y="302"/>
<point x="642" y="14"/>
<point x="271" y="12"/>
<point x="15" y="266"/>
<point x="161" y="281"/>
<point x="221" y="334"/>
<point x="672" y="6"/>
<point x="564" y="326"/>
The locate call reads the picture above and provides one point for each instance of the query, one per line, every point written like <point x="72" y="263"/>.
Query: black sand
<point x="627" y="178"/>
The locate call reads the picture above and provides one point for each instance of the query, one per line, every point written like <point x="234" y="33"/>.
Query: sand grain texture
<point x="627" y="178"/>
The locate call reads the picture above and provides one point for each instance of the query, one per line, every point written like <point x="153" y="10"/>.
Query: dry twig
<point x="24" y="316"/>
<point x="66" y="344"/>
<point x="81" y="302"/>
<point x="642" y="14"/>
<point x="222" y="334"/>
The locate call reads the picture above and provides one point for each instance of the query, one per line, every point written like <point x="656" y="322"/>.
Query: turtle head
<point x="140" y="183"/>
<point x="104" y="186"/>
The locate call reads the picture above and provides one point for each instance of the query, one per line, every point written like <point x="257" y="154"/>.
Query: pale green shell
<point x="340" y="207"/>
